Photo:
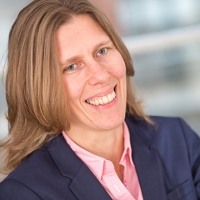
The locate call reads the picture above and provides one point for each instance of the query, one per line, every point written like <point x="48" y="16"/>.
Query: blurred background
<point x="163" y="38"/>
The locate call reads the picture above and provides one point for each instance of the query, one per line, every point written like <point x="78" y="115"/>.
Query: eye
<point x="102" y="51"/>
<point x="71" y="67"/>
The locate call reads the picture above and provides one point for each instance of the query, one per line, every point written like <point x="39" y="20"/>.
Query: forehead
<point x="80" y="33"/>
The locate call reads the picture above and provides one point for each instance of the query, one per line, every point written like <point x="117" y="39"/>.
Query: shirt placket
<point x="114" y="184"/>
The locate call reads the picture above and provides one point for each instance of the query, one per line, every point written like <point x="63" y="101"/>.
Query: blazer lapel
<point x="147" y="162"/>
<point x="84" y="184"/>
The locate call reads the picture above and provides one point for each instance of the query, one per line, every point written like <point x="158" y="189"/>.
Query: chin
<point x="112" y="124"/>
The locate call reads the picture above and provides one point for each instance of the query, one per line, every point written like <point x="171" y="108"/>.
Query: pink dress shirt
<point x="104" y="170"/>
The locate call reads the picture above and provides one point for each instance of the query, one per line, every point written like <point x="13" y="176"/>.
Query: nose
<point x="97" y="73"/>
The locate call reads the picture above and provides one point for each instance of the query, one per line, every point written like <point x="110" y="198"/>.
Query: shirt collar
<point x="96" y="163"/>
<point x="127" y="146"/>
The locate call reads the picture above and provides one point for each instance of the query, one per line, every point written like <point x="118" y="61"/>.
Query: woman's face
<point x="94" y="75"/>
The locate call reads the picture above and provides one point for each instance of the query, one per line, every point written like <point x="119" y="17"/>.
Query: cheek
<point x="119" y="68"/>
<point x="72" y="95"/>
<point x="70" y="86"/>
<point x="73" y="89"/>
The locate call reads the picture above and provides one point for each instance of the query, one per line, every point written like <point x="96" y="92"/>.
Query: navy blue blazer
<point x="167" y="160"/>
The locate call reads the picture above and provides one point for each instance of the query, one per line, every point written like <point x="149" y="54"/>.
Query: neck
<point x="106" y="144"/>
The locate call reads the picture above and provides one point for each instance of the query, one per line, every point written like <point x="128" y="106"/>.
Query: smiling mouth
<point x="102" y="100"/>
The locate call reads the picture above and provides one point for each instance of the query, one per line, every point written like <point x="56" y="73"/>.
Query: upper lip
<point x="99" y="95"/>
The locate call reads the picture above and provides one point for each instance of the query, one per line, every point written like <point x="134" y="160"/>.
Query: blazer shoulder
<point x="12" y="190"/>
<point x="174" y="127"/>
<point x="164" y="128"/>
<point x="40" y="175"/>
<point x="34" y="170"/>
<point x="32" y="164"/>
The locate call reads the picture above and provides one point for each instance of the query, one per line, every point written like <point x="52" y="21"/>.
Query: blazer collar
<point x="146" y="160"/>
<point x="84" y="184"/>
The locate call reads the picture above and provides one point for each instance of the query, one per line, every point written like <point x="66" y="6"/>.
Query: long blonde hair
<point x="37" y="103"/>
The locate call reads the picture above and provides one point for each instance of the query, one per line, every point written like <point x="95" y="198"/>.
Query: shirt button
<point x="125" y="183"/>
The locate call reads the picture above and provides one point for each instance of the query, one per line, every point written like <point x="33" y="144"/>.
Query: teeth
<point x="110" y="98"/>
<point x="100" y="101"/>
<point x="113" y="94"/>
<point x="96" y="102"/>
<point x="103" y="100"/>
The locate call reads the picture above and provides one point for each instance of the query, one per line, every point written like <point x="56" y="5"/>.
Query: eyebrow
<point x="106" y="42"/>
<point x="77" y="57"/>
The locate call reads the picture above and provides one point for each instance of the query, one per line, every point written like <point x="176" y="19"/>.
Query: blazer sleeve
<point x="193" y="145"/>
<point x="14" y="190"/>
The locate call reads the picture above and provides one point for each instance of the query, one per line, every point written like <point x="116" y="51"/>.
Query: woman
<point x="68" y="91"/>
